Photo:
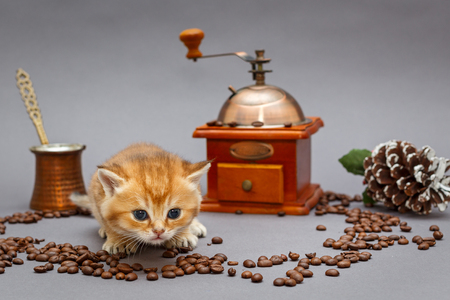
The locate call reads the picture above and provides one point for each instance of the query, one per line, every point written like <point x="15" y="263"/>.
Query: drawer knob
<point x="246" y="185"/>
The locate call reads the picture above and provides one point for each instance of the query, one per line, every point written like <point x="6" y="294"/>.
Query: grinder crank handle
<point x="193" y="37"/>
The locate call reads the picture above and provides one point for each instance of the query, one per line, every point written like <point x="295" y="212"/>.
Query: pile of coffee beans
<point x="367" y="229"/>
<point x="31" y="217"/>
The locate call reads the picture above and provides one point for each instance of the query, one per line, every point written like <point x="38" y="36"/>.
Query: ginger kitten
<point x="145" y="195"/>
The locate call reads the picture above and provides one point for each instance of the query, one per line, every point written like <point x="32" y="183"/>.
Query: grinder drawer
<point x="250" y="182"/>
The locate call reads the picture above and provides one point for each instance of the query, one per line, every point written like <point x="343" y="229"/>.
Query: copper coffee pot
<point x="58" y="166"/>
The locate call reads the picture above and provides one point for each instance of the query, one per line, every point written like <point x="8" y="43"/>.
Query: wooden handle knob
<point x="192" y="38"/>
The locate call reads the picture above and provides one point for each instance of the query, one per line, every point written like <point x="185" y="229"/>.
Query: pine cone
<point x="402" y="178"/>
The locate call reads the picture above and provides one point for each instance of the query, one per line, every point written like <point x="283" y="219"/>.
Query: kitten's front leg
<point x="197" y="228"/>
<point x="114" y="243"/>
<point x="182" y="239"/>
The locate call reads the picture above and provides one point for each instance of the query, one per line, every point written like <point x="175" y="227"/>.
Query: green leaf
<point x="367" y="198"/>
<point x="353" y="162"/>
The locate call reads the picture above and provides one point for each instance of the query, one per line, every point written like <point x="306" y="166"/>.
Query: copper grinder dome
<point x="261" y="103"/>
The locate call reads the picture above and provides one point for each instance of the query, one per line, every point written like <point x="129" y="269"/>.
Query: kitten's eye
<point x="140" y="215"/>
<point x="174" y="213"/>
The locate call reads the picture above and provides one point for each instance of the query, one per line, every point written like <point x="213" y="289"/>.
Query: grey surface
<point x="108" y="73"/>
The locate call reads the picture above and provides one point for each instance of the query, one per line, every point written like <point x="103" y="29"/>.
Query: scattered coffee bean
<point x="233" y="263"/>
<point x="344" y="264"/>
<point x="290" y="282"/>
<point x="169" y="274"/>
<point x="238" y="212"/>
<point x="40" y="269"/>
<point x="17" y="261"/>
<point x="297" y="276"/>
<point x="231" y="271"/>
<point x="131" y="277"/>
<point x="137" y="267"/>
<point x="293" y="256"/>
<point x="216" y="269"/>
<point x="98" y="272"/>
<point x="434" y="228"/>
<point x="281" y="213"/>
<point x="204" y="270"/>
<point x="332" y="272"/>
<point x="278" y="282"/>
<point x="405" y="228"/>
<point x="107" y="275"/>
<point x="438" y="235"/>
<point x="72" y="270"/>
<point x="148" y="270"/>
<point x="423" y="246"/>
<point x="321" y="228"/>
<point x="248" y="263"/>
<point x="307" y="273"/>
<point x="246" y="274"/>
<point x="86" y="270"/>
<point x="2" y="270"/>
<point x="49" y="266"/>
<point x="169" y="254"/>
<point x="120" y="276"/>
<point x="62" y="269"/>
<point x="217" y="240"/>
<point x="265" y="263"/>
<point x="257" y="277"/>
<point x="152" y="276"/>
<point x="403" y="241"/>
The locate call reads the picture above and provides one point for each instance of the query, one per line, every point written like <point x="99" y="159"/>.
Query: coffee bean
<point x="438" y="235"/>
<point x="278" y="282"/>
<point x="216" y="269"/>
<point x="325" y="258"/>
<point x="120" y="276"/>
<point x="405" y="228"/>
<point x="249" y="263"/>
<point x="87" y="270"/>
<point x="204" y="270"/>
<point x="264" y="263"/>
<point x="42" y="257"/>
<point x="423" y="246"/>
<point x="332" y="272"/>
<point x="62" y="269"/>
<point x="152" y="276"/>
<point x="281" y="213"/>
<point x="107" y="275"/>
<point x="257" y="277"/>
<point x="7" y="263"/>
<point x="246" y="274"/>
<point x="217" y="240"/>
<point x="315" y="261"/>
<point x="293" y="256"/>
<point x="386" y="228"/>
<point x="49" y="266"/>
<point x="344" y="264"/>
<point x="40" y="269"/>
<point x="307" y="273"/>
<point x="321" y="228"/>
<point x="434" y="228"/>
<point x="131" y="277"/>
<point x="231" y="271"/>
<point x="137" y="267"/>
<point x="148" y="270"/>
<point x="169" y="254"/>
<point x="310" y="255"/>
<point x="377" y="247"/>
<point x="98" y="272"/>
<point x="233" y="263"/>
<point x="17" y="261"/>
<point x="290" y="282"/>
<point x="189" y="270"/>
<point x="72" y="270"/>
<point x="238" y="212"/>
<point x="331" y="262"/>
<point x="2" y="270"/>
<point x="276" y="259"/>
<point x="298" y="277"/>
<point x="403" y="241"/>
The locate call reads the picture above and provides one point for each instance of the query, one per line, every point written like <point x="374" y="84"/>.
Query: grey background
<point x="109" y="73"/>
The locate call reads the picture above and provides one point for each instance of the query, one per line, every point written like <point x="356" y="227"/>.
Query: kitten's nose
<point x="158" y="232"/>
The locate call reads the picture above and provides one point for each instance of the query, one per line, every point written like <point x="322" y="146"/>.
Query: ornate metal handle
<point x="29" y="98"/>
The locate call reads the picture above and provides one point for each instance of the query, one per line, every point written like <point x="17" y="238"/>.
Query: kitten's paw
<point x="102" y="232"/>
<point x="197" y="228"/>
<point x="113" y="248"/>
<point x="185" y="240"/>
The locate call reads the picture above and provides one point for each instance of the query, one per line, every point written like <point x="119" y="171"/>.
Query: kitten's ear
<point x="199" y="169"/>
<point x="110" y="181"/>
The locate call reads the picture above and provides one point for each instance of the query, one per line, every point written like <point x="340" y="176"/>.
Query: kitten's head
<point x="150" y="200"/>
